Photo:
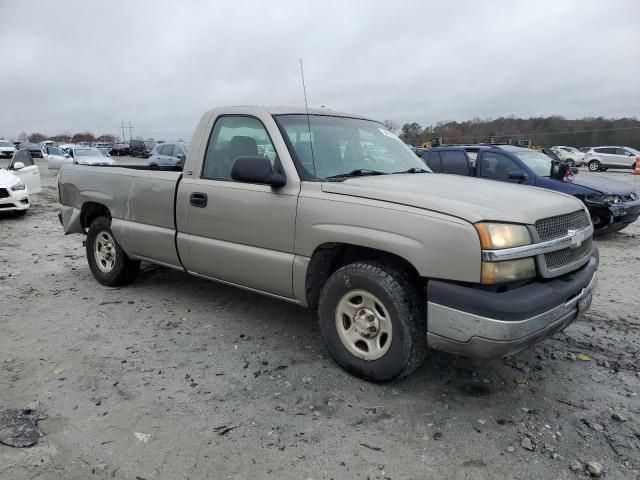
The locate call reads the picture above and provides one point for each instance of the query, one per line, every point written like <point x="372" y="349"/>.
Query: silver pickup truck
<point x="332" y="211"/>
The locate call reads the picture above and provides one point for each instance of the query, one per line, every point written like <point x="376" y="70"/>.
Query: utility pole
<point x="130" y="127"/>
<point x="124" y="139"/>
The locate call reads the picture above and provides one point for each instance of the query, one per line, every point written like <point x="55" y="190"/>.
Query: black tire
<point x="20" y="213"/>
<point x="593" y="165"/>
<point x="571" y="162"/>
<point x="402" y="299"/>
<point x="153" y="166"/>
<point x="123" y="270"/>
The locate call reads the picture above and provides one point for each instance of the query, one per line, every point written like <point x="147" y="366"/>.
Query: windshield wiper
<point x="413" y="170"/>
<point x="359" y="172"/>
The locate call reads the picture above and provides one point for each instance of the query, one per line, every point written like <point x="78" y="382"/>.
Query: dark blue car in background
<point x="612" y="204"/>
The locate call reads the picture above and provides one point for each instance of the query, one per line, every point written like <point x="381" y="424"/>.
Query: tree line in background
<point x="544" y="131"/>
<point x="69" y="137"/>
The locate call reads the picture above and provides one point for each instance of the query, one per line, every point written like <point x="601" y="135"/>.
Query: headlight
<point x="18" y="186"/>
<point x="508" y="271"/>
<point x="502" y="235"/>
<point x="606" y="199"/>
<point x="495" y="236"/>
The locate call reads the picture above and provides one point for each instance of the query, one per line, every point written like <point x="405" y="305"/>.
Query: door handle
<point x="198" y="199"/>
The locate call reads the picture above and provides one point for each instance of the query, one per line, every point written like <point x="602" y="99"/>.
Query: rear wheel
<point x="373" y="322"/>
<point x="107" y="261"/>
<point x="594" y="165"/>
<point x="571" y="162"/>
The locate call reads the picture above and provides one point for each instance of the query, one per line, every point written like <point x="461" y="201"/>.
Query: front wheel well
<point x="329" y="257"/>
<point x="90" y="211"/>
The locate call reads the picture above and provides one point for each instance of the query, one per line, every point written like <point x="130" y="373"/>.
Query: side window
<point x="454" y="162"/>
<point x="610" y="151"/>
<point x="166" y="149"/>
<point x="233" y="137"/>
<point x="177" y="150"/>
<point x="622" y="151"/>
<point x="433" y="162"/>
<point x="25" y="157"/>
<point x="497" y="165"/>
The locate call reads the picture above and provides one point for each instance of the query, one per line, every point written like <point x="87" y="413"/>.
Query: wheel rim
<point x="593" y="166"/>
<point x="104" y="248"/>
<point x="363" y="324"/>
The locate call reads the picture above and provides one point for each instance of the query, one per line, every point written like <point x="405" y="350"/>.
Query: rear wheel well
<point x="329" y="257"/>
<point x="90" y="211"/>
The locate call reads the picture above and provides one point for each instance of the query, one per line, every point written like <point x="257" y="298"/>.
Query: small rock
<point x="511" y="449"/>
<point x="143" y="437"/>
<point x="520" y="379"/>
<point x="555" y="456"/>
<point x="594" y="469"/>
<point x="526" y="444"/>
<point x="437" y="435"/>
<point x="597" y="427"/>
<point x="575" y="466"/>
<point x="571" y="356"/>
<point x="618" y="418"/>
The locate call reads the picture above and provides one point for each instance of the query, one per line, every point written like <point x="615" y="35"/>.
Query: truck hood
<point x="471" y="199"/>
<point x="8" y="179"/>
<point x="605" y="186"/>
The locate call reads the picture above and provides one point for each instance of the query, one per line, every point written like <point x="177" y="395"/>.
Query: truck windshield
<point x="539" y="163"/>
<point x="341" y="146"/>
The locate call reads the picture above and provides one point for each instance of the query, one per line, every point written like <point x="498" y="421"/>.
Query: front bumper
<point x="14" y="201"/>
<point x="483" y="324"/>
<point x="614" y="217"/>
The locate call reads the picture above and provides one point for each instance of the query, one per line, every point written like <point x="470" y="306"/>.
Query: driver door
<point x="29" y="173"/>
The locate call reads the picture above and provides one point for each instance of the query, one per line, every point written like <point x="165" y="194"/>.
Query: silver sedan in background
<point x="56" y="157"/>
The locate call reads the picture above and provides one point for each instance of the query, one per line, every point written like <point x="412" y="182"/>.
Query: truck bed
<point x="141" y="202"/>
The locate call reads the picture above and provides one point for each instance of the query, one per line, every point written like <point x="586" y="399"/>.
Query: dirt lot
<point x="175" y="377"/>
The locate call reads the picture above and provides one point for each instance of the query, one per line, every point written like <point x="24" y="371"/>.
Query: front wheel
<point x="571" y="162"/>
<point x="373" y="322"/>
<point x="107" y="261"/>
<point x="594" y="165"/>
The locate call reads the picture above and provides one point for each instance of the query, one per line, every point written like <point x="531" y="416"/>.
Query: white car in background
<point x="7" y="149"/>
<point x="571" y="155"/>
<point x="89" y="156"/>
<point x="20" y="179"/>
<point x="602" y="158"/>
<point x="56" y="157"/>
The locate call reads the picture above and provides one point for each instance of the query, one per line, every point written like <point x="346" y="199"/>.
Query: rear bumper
<point x="481" y="324"/>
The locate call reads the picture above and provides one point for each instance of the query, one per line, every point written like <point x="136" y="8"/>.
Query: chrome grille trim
<point x="566" y="256"/>
<point x="553" y="227"/>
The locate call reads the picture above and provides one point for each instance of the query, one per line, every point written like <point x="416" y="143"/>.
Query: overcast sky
<point x="88" y="65"/>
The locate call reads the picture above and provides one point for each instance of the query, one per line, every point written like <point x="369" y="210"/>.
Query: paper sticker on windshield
<point x="388" y="133"/>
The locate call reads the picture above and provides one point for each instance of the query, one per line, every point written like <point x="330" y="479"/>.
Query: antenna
<point x="306" y="106"/>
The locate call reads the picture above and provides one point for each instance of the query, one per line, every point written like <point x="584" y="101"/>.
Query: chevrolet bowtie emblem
<point x="577" y="237"/>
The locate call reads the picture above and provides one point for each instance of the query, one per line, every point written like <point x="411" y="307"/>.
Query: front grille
<point x="552" y="227"/>
<point x="4" y="193"/>
<point x="563" y="257"/>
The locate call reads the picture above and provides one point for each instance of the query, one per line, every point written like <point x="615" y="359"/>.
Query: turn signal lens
<point x="502" y="235"/>
<point x="509" y="271"/>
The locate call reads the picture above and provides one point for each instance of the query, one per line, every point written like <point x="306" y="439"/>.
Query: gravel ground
<point x="175" y="377"/>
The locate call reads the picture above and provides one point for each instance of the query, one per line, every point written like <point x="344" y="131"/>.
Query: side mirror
<point x="519" y="175"/>
<point x="256" y="170"/>
<point x="180" y="156"/>
<point x="18" y="166"/>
